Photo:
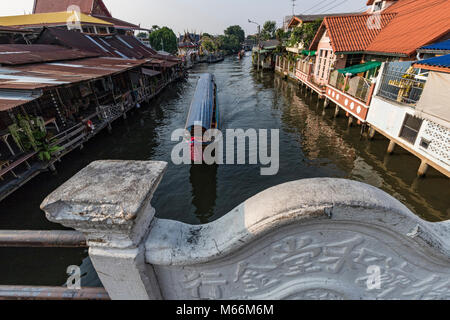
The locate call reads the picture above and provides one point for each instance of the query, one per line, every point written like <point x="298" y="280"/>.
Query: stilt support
<point x="336" y="111"/>
<point x="350" y="121"/>
<point x="423" y="169"/>
<point x="372" y="133"/>
<point x="391" y="147"/>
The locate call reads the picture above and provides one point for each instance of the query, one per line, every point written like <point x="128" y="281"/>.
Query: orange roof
<point x="417" y="23"/>
<point x="352" y="33"/>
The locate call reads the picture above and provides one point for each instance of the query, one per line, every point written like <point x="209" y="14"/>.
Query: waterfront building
<point x="58" y="92"/>
<point x="93" y="18"/>
<point x="364" y="63"/>
<point x="410" y="108"/>
<point x="263" y="56"/>
<point x="343" y="60"/>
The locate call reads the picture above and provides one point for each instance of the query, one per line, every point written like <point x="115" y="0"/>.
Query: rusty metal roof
<point x="7" y="104"/>
<point x="120" y="46"/>
<point x="17" y="82"/>
<point x="120" y="24"/>
<point x="17" y="54"/>
<point x="11" y="29"/>
<point x="46" y="75"/>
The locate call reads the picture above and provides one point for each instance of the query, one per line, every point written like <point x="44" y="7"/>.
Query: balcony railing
<point x="399" y="83"/>
<point x="357" y="87"/>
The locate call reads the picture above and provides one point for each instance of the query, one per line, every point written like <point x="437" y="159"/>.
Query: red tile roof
<point x="417" y="23"/>
<point x="352" y="33"/>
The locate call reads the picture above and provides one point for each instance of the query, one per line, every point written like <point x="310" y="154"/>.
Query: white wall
<point x="389" y="117"/>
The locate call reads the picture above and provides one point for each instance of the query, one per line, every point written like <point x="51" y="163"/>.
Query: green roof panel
<point x="360" y="67"/>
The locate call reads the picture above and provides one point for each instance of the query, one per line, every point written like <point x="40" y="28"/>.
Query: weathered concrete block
<point x="109" y="201"/>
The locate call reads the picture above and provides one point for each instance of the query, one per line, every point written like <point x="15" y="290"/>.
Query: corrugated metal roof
<point x="46" y="75"/>
<point x="17" y="54"/>
<point x="444" y="45"/>
<point x="12" y="98"/>
<point x="418" y="23"/>
<point x="6" y="104"/>
<point x="118" y="23"/>
<point x="441" y="62"/>
<point x="121" y="46"/>
<point x="14" y="30"/>
<point x="54" y="18"/>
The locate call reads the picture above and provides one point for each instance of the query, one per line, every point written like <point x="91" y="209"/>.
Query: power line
<point x="340" y="3"/>
<point x="326" y="5"/>
<point x="313" y="7"/>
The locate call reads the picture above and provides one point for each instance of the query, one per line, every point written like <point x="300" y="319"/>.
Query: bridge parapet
<point x="307" y="239"/>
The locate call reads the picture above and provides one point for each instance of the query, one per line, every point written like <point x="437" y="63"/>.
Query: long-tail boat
<point x="203" y="115"/>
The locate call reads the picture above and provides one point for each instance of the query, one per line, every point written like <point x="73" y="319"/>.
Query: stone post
<point x="109" y="202"/>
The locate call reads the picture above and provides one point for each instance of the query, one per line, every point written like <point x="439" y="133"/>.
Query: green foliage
<point x="236" y="31"/>
<point x="164" y="37"/>
<point x="281" y="35"/>
<point x="209" y="44"/>
<point x="269" y="30"/>
<point x="305" y="33"/>
<point x="30" y="133"/>
<point x="229" y="44"/>
<point x="142" y="35"/>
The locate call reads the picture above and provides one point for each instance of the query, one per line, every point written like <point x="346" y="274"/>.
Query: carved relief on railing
<point x="308" y="239"/>
<point x="308" y="265"/>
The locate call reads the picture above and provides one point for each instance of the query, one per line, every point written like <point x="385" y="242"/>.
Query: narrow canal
<point x="311" y="145"/>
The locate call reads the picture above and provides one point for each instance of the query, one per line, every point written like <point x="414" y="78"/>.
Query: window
<point x="324" y="63"/>
<point x="411" y="128"/>
<point x="378" y="6"/>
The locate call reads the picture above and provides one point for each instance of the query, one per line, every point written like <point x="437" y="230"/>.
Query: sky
<point x="211" y="16"/>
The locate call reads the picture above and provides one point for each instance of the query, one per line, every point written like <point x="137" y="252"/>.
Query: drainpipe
<point x="347" y="75"/>
<point x="371" y="91"/>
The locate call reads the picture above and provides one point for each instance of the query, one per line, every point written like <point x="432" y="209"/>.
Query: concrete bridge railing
<point x="309" y="239"/>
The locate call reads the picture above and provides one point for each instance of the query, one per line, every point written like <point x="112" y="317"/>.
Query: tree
<point x="229" y="44"/>
<point x="142" y="35"/>
<point x="269" y="30"/>
<point x="209" y="44"/>
<point x="237" y="31"/>
<point x="305" y="33"/>
<point x="164" y="37"/>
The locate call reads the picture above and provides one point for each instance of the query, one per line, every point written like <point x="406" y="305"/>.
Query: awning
<point x="433" y="104"/>
<point x="150" y="72"/>
<point x="360" y="67"/>
<point x="309" y="52"/>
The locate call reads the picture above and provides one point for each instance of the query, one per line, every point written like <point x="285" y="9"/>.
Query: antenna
<point x="293" y="6"/>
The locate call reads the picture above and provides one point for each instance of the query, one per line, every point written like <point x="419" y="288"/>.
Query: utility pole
<point x="258" y="41"/>
<point x="293" y="7"/>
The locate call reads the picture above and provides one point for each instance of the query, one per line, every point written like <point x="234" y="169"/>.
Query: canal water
<point x="312" y="144"/>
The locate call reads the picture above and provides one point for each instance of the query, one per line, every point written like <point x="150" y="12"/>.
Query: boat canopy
<point x="202" y="106"/>
<point x="360" y="67"/>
